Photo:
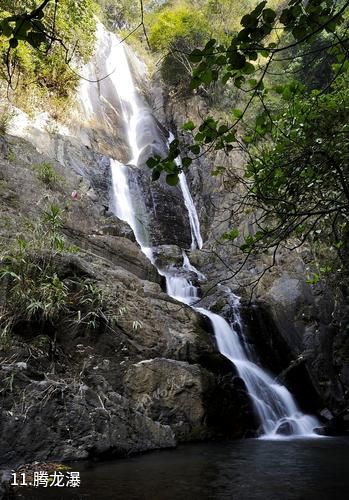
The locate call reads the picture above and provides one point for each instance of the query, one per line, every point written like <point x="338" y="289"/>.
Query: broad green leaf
<point x="13" y="43"/>
<point x="172" y="179"/>
<point x="207" y="76"/>
<point x="237" y="60"/>
<point x="36" y="39"/>
<point x="155" y="174"/>
<point x="6" y="29"/>
<point x="195" y="149"/>
<point x="248" y="69"/>
<point x="211" y="43"/>
<point x="237" y="113"/>
<point x="269" y="15"/>
<point x="186" y="162"/>
<point x="153" y="161"/>
<point x="195" y="83"/>
<point x="223" y="129"/>
<point x="188" y="125"/>
<point x="195" y="56"/>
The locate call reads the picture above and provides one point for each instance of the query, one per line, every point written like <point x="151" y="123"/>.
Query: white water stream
<point x="273" y="403"/>
<point x="196" y="238"/>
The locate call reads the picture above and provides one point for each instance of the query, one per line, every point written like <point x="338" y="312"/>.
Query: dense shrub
<point x="48" y="69"/>
<point x="33" y="288"/>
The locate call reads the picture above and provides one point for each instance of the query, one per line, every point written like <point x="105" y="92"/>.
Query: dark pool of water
<point x="315" y="469"/>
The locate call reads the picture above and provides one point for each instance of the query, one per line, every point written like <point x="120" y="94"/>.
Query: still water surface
<point x="314" y="469"/>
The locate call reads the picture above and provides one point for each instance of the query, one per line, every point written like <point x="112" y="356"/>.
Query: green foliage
<point x="291" y="126"/>
<point x="249" y="53"/>
<point x="23" y="26"/>
<point x="175" y="30"/>
<point x="319" y="275"/>
<point x="121" y="14"/>
<point x="37" y="43"/>
<point x="6" y="116"/>
<point x="35" y="290"/>
<point x="182" y="25"/>
<point x="300" y="173"/>
<point x="231" y="235"/>
<point x="46" y="173"/>
<point x="235" y="61"/>
<point x="169" y="166"/>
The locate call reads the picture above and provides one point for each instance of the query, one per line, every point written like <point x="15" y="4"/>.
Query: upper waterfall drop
<point x="103" y="104"/>
<point x="127" y="93"/>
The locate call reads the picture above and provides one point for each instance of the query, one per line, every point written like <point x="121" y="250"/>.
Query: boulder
<point x="171" y="392"/>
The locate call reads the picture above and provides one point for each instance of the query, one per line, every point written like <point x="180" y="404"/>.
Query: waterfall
<point x="273" y="403"/>
<point x="196" y="238"/>
<point x="103" y="104"/>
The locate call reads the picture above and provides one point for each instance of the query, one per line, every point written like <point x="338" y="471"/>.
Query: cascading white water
<point x="123" y="83"/>
<point x="273" y="403"/>
<point x="196" y="238"/>
<point x="122" y="195"/>
<point x="140" y="127"/>
<point x="193" y="218"/>
<point x="181" y="289"/>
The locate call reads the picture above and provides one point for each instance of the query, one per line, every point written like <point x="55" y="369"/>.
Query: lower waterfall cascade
<point x="274" y="405"/>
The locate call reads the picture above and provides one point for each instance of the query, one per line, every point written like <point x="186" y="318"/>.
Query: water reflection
<point x="240" y="470"/>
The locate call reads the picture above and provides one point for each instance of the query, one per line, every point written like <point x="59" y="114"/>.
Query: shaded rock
<point x="279" y="356"/>
<point x="296" y="321"/>
<point x="193" y="401"/>
<point x="335" y="425"/>
<point x="326" y="414"/>
<point x="168" y="221"/>
<point x="120" y="251"/>
<point x="172" y="392"/>
<point x="5" y="480"/>
<point x="285" y="429"/>
<point x="75" y="422"/>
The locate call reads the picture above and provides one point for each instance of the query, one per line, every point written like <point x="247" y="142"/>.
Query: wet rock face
<point x="159" y="208"/>
<point x="168" y="256"/>
<point x="296" y="336"/>
<point x="167" y="219"/>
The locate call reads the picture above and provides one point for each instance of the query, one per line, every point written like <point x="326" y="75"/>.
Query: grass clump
<point x="6" y="115"/>
<point x="41" y="291"/>
<point x="46" y="174"/>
